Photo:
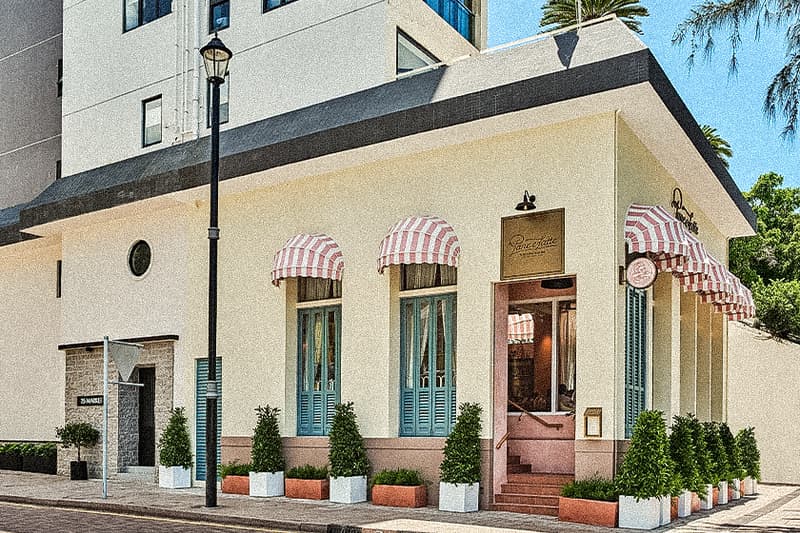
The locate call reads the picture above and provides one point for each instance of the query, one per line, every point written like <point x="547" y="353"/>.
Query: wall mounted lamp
<point x="593" y="422"/>
<point x="527" y="202"/>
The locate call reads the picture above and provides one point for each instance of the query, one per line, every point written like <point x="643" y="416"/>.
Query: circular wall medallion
<point x="139" y="258"/>
<point x="641" y="273"/>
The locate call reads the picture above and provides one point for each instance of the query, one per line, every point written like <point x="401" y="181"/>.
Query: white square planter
<point x="458" y="497"/>
<point x="749" y="486"/>
<point x="266" y="484"/>
<point x="644" y="514"/>
<point x="707" y="503"/>
<point x="666" y="509"/>
<point x="174" y="477"/>
<point x="723" y="492"/>
<point x="737" y="489"/>
<point x="349" y="489"/>
<point x="685" y="504"/>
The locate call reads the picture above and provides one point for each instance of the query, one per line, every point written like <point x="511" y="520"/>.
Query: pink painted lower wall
<point x="416" y="453"/>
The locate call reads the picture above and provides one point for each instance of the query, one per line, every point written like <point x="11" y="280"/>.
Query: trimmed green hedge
<point x="308" y="472"/>
<point x="594" y="488"/>
<point x="401" y="476"/>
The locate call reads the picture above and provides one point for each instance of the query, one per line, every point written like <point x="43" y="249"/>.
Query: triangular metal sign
<point x="124" y="355"/>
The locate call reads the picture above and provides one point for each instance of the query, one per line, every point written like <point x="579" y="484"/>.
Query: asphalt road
<point x="18" y="518"/>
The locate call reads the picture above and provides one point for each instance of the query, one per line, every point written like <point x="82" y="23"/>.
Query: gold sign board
<point x="532" y="244"/>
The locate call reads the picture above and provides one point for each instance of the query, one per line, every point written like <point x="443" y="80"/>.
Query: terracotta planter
<point x="400" y="496"/>
<point x="695" y="503"/>
<point x="741" y="487"/>
<point x="236" y="485"/>
<point x="730" y="494"/>
<point x="716" y="496"/>
<point x="308" y="489"/>
<point x="592" y="512"/>
<point x="673" y="508"/>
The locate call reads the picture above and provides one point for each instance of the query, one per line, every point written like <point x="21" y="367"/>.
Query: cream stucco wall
<point x="287" y="58"/>
<point x="31" y="367"/>
<point x="762" y="388"/>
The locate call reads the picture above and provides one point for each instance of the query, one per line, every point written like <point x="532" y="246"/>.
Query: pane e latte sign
<point x="532" y="244"/>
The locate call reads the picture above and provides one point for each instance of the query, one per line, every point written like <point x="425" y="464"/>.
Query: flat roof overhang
<point x="433" y="109"/>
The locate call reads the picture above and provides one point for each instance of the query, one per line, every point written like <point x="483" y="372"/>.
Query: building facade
<point x="370" y="248"/>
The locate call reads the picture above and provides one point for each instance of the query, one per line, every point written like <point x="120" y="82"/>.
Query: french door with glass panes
<point x="318" y="374"/>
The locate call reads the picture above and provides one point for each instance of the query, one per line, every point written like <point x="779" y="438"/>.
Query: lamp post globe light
<point x="216" y="57"/>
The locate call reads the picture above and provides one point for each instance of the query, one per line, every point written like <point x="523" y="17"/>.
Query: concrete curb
<point x="155" y="512"/>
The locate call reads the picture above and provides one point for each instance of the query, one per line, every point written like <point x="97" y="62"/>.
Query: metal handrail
<point x="542" y="421"/>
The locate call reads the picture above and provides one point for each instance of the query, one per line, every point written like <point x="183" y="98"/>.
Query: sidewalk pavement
<point x="776" y="509"/>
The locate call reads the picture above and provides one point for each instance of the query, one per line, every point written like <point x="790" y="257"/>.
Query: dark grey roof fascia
<point x="391" y="111"/>
<point x="10" y="227"/>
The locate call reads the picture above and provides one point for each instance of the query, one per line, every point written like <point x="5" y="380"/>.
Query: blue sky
<point x="733" y="105"/>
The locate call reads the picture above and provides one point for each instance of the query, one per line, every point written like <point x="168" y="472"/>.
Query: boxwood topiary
<point x="347" y="454"/>
<point x="683" y="451"/>
<point x="267" y="452"/>
<point x="647" y="470"/>
<point x="462" y="450"/>
<point x="735" y="470"/>
<point x="750" y="456"/>
<point x="175" y="446"/>
<point x="718" y="470"/>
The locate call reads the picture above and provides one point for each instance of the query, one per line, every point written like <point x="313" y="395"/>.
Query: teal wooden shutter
<point x="427" y="375"/>
<point x="200" y="416"/>
<point x="635" y="356"/>
<point x="319" y="332"/>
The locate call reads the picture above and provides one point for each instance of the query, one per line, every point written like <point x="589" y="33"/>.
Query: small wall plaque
<point x="532" y="244"/>
<point x="90" y="401"/>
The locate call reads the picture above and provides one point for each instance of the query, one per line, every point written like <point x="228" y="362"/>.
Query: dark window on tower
<point x="219" y="15"/>
<point x="272" y="4"/>
<point x="58" y="169"/>
<point x="58" y="278"/>
<point x="138" y="12"/>
<point x="60" y="76"/>
<point x="151" y="121"/>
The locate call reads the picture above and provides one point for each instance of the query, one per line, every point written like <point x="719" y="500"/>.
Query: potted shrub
<point x="734" y="473"/>
<point x="308" y="482"/>
<point x="644" y="481"/>
<point x="590" y="501"/>
<point x="235" y="478"/>
<point x="10" y="459"/>
<point x="175" y="453"/>
<point x="78" y="434"/>
<point x="266" y="456"/>
<point x="460" y="471"/>
<point x="347" y="457"/>
<point x="719" y="471"/>
<point x="399" y="488"/>
<point x="705" y="466"/>
<point x="682" y="451"/>
<point x="751" y="459"/>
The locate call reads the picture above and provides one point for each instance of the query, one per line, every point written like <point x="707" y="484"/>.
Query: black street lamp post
<point x="216" y="57"/>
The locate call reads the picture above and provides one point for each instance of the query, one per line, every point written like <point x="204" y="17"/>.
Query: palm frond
<point x="563" y="13"/>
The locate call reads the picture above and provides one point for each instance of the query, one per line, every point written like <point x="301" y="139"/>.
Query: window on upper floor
<point x="410" y="55"/>
<point x="457" y="13"/>
<point x="272" y="4"/>
<point x="219" y="15"/>
<point x="139" y="12"/>
<point x="60" y="79"/>
<point x="224" y="98"/>
<point x="151" y="121"/>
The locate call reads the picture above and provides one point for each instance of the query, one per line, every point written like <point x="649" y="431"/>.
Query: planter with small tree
<point x="460" y="471"/>
<point x="590" y="501"/>
<point x="175" y="453"/>
<point x="78" y="434"/>
<point x="348" y="457"/>
<point x="399" y="488"/>
<point x="645" y="479"/>
<point x="719" y="469"/>
<point x="751" y="459"/>
<point x="735" y="473"/>
<point x="266" y="455"/>
<point x="308" y="482"/>
<point x="235" y="478"/>
<point x="682" y="449"/>
<point x="703" y="496"/>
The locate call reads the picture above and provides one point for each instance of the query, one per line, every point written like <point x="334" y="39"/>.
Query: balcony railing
<point x="457" y="13"/>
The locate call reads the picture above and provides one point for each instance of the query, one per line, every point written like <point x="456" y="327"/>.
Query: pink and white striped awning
<point x="650" y="228"/>
<point x="310" y="256"/>
<point x="520" y="328"/>
<point x="416" y="240"/>
<point x="697" y="260"/>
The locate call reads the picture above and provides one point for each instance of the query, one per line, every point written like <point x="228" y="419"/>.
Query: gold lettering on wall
<point x="532" y="244"/>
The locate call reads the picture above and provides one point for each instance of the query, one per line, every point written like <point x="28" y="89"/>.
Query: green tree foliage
<point x="347" y="454"/>
<point x="769" y="262"/>
<point x="719" y="144"/>
<point x="716" y="449"/>
<point x="462" y="450"/>
<point x="702" y="455"/>
<point x="709" y="18"/>
<point x="563" y="13"/>
<point x="682" y="451"/>
<point x="175" y="446"/>
<point x="77" y="434"/>
<point x="647" y="471"/>
<point x="748" y="448"/>
<point x="735" y="470"/>
<point x="266" y="454"/>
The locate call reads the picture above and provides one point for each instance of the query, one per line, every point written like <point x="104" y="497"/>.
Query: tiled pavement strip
<point x="776" y="509"/>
